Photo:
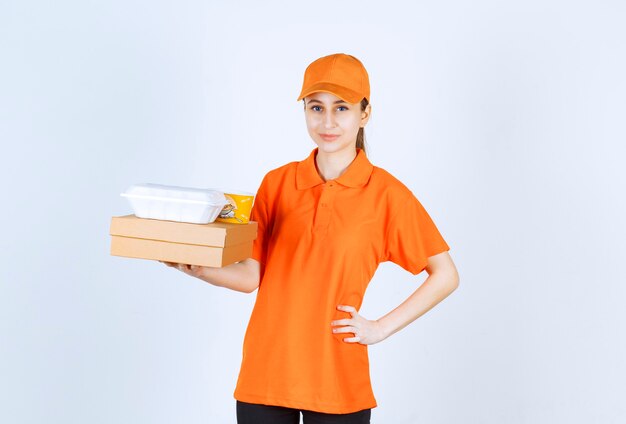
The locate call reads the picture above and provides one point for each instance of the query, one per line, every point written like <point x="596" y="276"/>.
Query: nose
<point x="329" y="119"/>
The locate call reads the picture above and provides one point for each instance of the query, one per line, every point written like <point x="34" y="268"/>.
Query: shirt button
<point x="324" y="204"/>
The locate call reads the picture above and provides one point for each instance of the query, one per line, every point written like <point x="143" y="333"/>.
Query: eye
<point x="342" y="107"/>
<point x="315" y="108"/>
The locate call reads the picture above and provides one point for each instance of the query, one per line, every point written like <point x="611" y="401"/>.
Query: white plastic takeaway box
<point x="172" y="203"/>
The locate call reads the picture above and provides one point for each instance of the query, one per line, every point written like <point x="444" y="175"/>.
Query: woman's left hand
<point x="365" y="331"/>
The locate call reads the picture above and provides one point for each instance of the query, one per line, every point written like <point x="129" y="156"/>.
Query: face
<point x="332" y="122"/>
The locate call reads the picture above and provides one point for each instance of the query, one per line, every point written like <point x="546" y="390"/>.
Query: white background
<point x="506" y="120"/>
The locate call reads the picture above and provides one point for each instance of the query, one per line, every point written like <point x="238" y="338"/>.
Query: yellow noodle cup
<point x="238" y="208"/>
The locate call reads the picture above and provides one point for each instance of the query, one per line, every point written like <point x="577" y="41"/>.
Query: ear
<point x="365" y="115"/>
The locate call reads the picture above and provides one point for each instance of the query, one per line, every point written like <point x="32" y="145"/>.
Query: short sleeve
<point x="261" y="214"/>
<point x="412" y="236"/>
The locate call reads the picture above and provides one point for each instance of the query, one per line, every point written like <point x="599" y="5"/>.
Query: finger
<point x="347" y="308"/>
<point x="345" y="330"/>
<point x="355" y="339"/>
<point x="345" y="321"/>
<point x="195" y="269"/>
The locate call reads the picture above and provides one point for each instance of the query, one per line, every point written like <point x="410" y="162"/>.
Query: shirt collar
<point x="356" y="175"/>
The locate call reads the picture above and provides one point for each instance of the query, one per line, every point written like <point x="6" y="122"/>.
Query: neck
<point x="332" y="165"/>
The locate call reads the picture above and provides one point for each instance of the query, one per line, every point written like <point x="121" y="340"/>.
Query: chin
<point x="328" y="149"/>
<point x="333" y="147"/>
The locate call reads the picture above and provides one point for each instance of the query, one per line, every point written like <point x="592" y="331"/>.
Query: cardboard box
<point x="215" y="244"/>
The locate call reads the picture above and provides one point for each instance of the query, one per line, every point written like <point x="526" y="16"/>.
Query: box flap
<point x="219" y="234"/>
<point x="192" y="254"/>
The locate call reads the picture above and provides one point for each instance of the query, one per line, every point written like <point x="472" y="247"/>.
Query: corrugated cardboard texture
<point x="220" y="234"/>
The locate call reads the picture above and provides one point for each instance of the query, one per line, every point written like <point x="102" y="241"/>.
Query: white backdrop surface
<point x="505" y="119"/>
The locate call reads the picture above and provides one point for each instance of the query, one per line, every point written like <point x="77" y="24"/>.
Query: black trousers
<point x="251" y="413"/>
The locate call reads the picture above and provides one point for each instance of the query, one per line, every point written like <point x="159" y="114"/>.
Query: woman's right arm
<point x="243" y="276"/>
<point x="240" y="276"/>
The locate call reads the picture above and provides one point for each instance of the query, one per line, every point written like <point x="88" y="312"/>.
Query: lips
<point x="329" y="137"/>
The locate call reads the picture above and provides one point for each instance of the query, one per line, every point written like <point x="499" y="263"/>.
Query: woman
<point x="324" y="225"/>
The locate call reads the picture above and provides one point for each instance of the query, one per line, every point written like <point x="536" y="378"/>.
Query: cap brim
<point x="343" y="93"/>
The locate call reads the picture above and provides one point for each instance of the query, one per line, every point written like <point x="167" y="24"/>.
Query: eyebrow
<point x="338" y="101"/>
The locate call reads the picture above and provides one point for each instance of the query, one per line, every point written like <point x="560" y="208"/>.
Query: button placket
<point x="324" y="207"/>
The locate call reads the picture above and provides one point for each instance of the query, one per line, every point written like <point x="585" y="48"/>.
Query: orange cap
<point x="340" y="74"/>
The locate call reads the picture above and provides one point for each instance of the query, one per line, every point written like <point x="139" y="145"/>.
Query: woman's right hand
<point x="193" y="270"/>
<point x="243" y="276"/>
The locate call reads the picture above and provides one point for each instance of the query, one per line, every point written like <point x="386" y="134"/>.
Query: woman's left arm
<point x="442" y="280"/>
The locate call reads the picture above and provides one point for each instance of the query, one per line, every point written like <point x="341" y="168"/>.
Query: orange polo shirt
<point x="319" y="244"/>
